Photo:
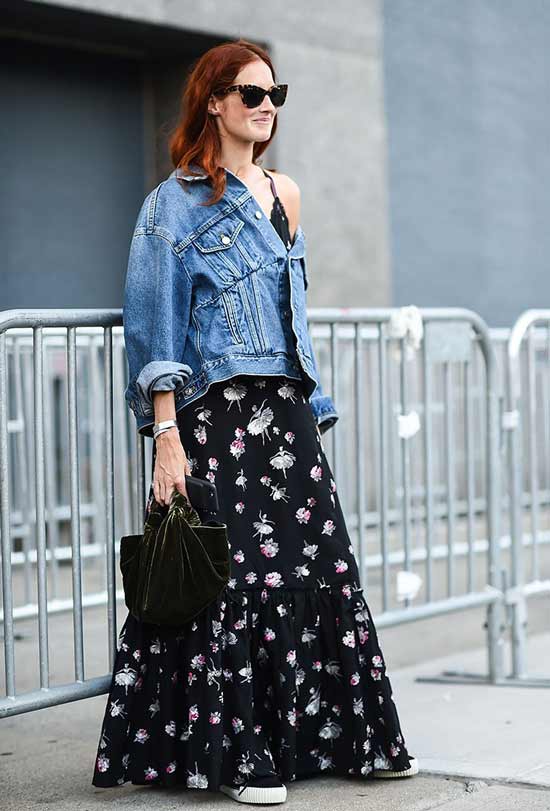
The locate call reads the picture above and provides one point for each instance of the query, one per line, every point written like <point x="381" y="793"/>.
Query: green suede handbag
<point x="177" y="567"/>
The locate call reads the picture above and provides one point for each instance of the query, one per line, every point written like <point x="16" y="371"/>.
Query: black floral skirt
<point x="283" y="673"/>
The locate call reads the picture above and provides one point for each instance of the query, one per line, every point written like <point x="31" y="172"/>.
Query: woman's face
<point x="238" y="121"/>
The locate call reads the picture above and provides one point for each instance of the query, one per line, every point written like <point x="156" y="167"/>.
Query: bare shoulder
<point x="289" y="192"/>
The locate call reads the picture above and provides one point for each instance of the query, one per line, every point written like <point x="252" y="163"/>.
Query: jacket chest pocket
<point x="227" y="249"/>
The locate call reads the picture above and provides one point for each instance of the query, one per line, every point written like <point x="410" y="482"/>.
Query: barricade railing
<point x="420" y="493"/>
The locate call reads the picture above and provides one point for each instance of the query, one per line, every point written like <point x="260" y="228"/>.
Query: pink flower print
<point x="237" y="725"/>
<point x="257" y="729"/>
<point x="264" y="596"/>
<point x="291" y="658"/>
<point x="237" y="448"/>
<point x="214" y="647"/>
<point x="200" y="434"/>
<point x="239" y="624"/>
<point x="317" y="665"/>
<point x="102" y="763"/>
<point x="332" y="486"/>
<point x="290" y="436"/>
<point x="228" y="674"/>
<point x="215" y="718"/>
<point x="191" y="677"/>
<point x="376" y="674"/>
<point x="346" y="590"/>
<point x="198" y="661"/>
<point x="341" y="565"/>
<point x="193" y="712"/>
<point x="303" y="515"/>
<point x="349" y="639"/>
<point x="354" y="679"/>
<point x="239" y="556"/>
<point x="316" y="473"/>
<point x="394" y="750"/>
<point x="150" y="773"/>
<point x="269" y="548"/>
<point x="337" y="620"/>
<point x="328" y="527"/>
<point x="265" y="480"/>
<point x="377" y="661"/>
<point x="174" y="677"/>
<point x="251" y="577"/>
<point x="171" y="768"/>
<point x="363" y="634"/>
<point x="269" y="634"/>
<point x="337" y="709"/>
<point x="273" y="579"/>
<point x="240" y="432"/>
<point x="239" y="507"/>
<point x="210" y="476"/>
<point x="141" y="736"/>
<point x="213" y="463"/>
<point x="170" y="729"/>
<point x="311" y="502"/>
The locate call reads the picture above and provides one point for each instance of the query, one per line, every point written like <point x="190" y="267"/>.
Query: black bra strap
<point x="273" y="187"/>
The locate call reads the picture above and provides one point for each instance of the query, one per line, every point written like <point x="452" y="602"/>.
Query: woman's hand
<point x="171" y="465"/>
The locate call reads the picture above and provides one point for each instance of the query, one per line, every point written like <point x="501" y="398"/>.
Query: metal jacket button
<point x="258" y="214"/>
<point x="225" y="239"/>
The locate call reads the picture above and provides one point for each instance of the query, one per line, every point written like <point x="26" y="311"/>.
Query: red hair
<point x="195" y="138"/>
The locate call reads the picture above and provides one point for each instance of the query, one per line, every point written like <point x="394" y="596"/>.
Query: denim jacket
<point x="212" y="292"/>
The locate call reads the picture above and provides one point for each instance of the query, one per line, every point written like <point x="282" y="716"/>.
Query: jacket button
<point x="258" y="214"/>
<point x="225" y="239"/>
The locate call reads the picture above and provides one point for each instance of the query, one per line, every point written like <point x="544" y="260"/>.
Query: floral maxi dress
<point x="283" y="673"/>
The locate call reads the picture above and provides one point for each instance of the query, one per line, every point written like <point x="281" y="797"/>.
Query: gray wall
<point x="467" y="94"/>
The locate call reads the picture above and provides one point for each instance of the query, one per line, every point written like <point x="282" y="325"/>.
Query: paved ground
<point x="479" y="747"/>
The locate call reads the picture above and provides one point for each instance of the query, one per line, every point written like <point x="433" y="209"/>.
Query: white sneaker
<point x="389" y="773"/>
<point x="258" y="790"/>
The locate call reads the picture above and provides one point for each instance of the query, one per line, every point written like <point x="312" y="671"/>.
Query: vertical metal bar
<point x="470" y="471"/>
<point x="7" y="594"/>
<point x="109" y="493"/>
<point x="449" y="476"/>
<point x="533" y="455"/>
<point x="428" y="465"/>
<point x="74" y="469"/>
<point x="405" y="466"/>
<point x="360" y="454"/>
<point x="51" y="489"/>
<point x="383" y="460"/>
<point x="40" y="511"/>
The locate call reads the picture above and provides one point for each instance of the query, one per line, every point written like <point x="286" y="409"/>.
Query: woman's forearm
<point x="165" y="405"/>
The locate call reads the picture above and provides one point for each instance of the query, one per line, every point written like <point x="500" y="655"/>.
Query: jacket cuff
<point x="161" y="375"/>
<point x="324" y="411"/>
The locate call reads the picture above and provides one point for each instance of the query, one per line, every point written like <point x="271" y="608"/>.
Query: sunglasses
<point x="252" y="95"/>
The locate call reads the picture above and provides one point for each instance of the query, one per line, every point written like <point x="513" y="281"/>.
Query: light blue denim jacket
<point x="212" y="292"/>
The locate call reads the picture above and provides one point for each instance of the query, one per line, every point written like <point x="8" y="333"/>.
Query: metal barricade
<point x="400" y="488"/>
<point x="526" y="421"/>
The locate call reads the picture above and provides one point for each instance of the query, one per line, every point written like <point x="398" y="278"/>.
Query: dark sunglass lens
<point x="253" y="96"/>
<point x="278" y="95"/>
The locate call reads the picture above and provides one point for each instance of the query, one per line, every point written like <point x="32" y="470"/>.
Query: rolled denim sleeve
<point x="156" y="312"/>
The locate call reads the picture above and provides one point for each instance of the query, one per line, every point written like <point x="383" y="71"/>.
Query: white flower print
<point x="198" y="661"/>
<point x="340" y="565"/>
<point x="260" y="421"/>
<point x="332" y="485"/>
<point x="312" y="706"/>
<point x="170" y="729"/>
<point x="328" y="527"/>
<point x="171" y="768"/>
<point x="376" y="674"/>
<point x="377" y="661"/>
<point x="215" y="718"/>
<point x="279" y="493"/>
<point x="211" y="476"/>
<point x="239" y="556"/>
<point x="203" y="414"/>
<point x="330" y="730"/>
<point x="288" y="392"/>
<point x="358" y="706"/>
<point x="301" y="571"/>
<point x="262" y="526"/>
<point x="291" y="658"/>
<point x="196" y="780"/>
<point x="273" y="579"/>
<point x="193" y="713"/>
<point x="240" y="481"/>
<point x="237" y="447"/>
<point x="269" y="548"/>
<point x="354" y="679"/>
<point x="310" y="550"/>
<point x="291" y="717"/>
<point x="316" y="473"/>
<point x="200" y="435"/>
<point x="349" y="639"/>
<point x="126" y="677"/>
<point x="265" y="480"/>
<point x="311" y="502"/>
<point x="282" y="460"/>
<point x="154" y="708"/>
<point x="269" y="634"/>
<point x="235" y="392"/>
<point x="150" y="773"/>
<point x="117" y="710"/>
<point x="290" y="436"/>
<point x="281" y="610"/>
<point x="213" y="463"/>
<point x="303" y="515"/>
<point x="251" y="577"/>
<point x="239" y="507"/>
<point x="276" y="430"/>
<point x="237" y="724"/>
<point x="103" y="763"/>
<point x="155" y="646"/>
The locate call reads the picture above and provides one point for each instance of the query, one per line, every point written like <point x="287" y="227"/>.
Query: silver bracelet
<point x="161" y="427"/>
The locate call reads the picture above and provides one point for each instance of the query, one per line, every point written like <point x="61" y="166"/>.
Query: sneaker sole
<point x="389" y="774"/>
<point x="256" y="794"/>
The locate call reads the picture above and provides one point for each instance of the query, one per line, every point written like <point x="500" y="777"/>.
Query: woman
<point x="282" y="677"/>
